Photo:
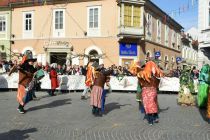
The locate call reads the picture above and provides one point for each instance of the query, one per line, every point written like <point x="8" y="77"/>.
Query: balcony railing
<point x="131" y="31"/>
<point x="205" y="37"/>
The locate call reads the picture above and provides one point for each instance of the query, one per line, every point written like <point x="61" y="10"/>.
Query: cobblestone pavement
<point x="67" y="117"/>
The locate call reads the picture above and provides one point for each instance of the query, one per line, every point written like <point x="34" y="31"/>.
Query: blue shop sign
<point x="178" y="59"/>
<point x="157" y="54"/>
<point x="128" y="49"/>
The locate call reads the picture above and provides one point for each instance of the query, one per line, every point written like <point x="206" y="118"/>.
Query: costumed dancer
<point x="26" y="82"/>
<point x="203" y="88"/>
<point x="135" y="68"/>
<point x="149" y="79"/>
<point x="185" y="96"/>
<point x="89" y="79"/>
<point x="54" y="79"/>
<point x="208" y="102"/>
<point x="97" y="90"/>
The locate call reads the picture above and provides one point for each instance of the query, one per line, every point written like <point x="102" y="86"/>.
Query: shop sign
<point x="56" y="43"/>
<point x="128" y="49"/>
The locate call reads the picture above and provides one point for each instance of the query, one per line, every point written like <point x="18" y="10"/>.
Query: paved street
<point x="67" y="117"/>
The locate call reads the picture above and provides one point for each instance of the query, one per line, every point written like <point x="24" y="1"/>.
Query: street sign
<point x="157" y="54"/>
<point x="178" y="59"/>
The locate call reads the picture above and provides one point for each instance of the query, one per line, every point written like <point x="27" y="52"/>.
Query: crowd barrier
<point x="77" y="82"/>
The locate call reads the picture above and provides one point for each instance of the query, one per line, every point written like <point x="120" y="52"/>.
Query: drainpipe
<point x="10" y="44"/>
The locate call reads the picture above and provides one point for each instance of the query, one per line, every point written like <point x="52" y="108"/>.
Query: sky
<point x="187" y="16"/>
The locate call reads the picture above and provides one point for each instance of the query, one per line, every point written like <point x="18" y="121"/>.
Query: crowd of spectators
<point x="5" y="67"/>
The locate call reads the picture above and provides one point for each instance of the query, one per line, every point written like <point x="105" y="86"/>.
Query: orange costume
<point x="149" y="80"/>
<point x="25" y="84"/>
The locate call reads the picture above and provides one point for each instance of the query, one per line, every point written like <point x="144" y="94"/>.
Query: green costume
<point x="203" y="88"/>
<point x="185" y="96"/>
<point x="138" y="94"/>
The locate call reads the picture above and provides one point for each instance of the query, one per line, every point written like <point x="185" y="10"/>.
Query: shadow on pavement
<point x="51" y="105"/>
<point x="112" y="106"/>
<point x="163" y="110"/>
<point x="203" y="113"/>
<point x="17" y="134"/>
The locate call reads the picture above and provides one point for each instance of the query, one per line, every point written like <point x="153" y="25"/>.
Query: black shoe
<point x="21" y="109"/>
<point x="98" y="112"/>
<point x="94" y="111"/>
<point x="82" y="97"/>
<point x="208" y="121"/>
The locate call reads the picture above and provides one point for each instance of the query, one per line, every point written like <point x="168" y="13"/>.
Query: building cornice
<point x="30" y="3"/>
<point x="64" y="38"/>
<point x="163" y="46"/>
<point x="141" y="2"/>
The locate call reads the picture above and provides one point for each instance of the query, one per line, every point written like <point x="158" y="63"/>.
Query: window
<point x="127" y="15"/>
<point x="132" y="15"/>
<point x="186" y="53"/>
<point x="173" y="39"/>
<point x="183" y="52"/>
<point x="93" y="24"/>
<point x="166" y="34"/>
<point x="158" y="31"/>
<point x="93" y="18"/>
<point x="178" y="41"/>
<point x="2" y="23"/>
<point x="209" y="13"/>
<point x="172" y="62"/>
<point x="58" y="20"/>
<point x="166" y="62"/>
<point x="59" y="23"/>
<point x="28" y="24"/>
<point x="149" y="26"/>
<point x="136" y="16"/>
<point x="172" y="59"/>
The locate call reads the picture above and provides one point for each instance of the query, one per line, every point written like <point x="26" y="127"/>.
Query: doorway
<point x="59" y="58"/>
<point x="94" y="56"/>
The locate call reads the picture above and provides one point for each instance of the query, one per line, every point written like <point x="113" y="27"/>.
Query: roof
<point x="4" y="2"/>
<point x="169" y="17"/>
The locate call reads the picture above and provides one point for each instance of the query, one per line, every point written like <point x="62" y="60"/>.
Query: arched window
<point x="166" y="62"/>
<point x="172" y="62"/>
<point x="148" y="55"/>
<point x="94" y="56"/>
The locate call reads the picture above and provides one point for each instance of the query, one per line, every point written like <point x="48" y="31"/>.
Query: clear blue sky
<point x="187" y="19"/>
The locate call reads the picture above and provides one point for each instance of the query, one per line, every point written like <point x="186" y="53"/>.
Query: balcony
<point x="131" y="32"/>
<point x="204" y="38"/>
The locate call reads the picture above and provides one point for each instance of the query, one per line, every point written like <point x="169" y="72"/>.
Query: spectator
<point x="47" y="67"/>
<point x="64" y="68"/>
<point x="53" y="78"/>
<point x="2" y="70"/>
<point x="177" y="72"/>
<point x="59" y="70"/>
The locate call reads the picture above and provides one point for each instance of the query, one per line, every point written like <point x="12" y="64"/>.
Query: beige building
<point x="112" y="32"/>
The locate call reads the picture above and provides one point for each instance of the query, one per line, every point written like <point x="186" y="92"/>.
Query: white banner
<point x="77" y="82"/>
